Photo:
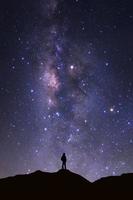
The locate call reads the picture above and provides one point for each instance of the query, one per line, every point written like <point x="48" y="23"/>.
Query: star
<point x="71" y="67"/>
<point x="31" y="90"/>
<point x="57" y="114"/>
<point x="107" y="64"/>
<point x="111" y="109"/>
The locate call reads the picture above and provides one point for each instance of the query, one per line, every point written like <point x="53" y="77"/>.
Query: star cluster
<point x="66" y="86"/>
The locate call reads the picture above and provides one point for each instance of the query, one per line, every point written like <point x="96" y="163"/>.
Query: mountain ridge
<point x="65" y="184"/>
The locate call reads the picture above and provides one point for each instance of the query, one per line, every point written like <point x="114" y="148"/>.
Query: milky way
<point x="66" y="86"/>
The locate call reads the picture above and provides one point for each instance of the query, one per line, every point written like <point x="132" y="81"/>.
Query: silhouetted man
<point x="63" y="159"/>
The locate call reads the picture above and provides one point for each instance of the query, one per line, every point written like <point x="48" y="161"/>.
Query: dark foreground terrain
<point x="65" y="185"/>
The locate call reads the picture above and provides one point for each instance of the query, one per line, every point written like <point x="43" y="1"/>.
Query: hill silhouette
<point x="65" y="184"/>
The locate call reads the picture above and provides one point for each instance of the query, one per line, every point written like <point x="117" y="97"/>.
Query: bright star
<point x="111" y="109"/>
<point x="72" y="67"/>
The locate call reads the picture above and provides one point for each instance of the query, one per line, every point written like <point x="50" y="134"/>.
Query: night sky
<point x="66" y="85"/>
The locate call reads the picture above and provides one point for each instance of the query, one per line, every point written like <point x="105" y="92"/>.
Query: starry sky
<point x="66" y="85"/>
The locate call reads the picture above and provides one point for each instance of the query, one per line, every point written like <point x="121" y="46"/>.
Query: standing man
<point x="64" y="160"/>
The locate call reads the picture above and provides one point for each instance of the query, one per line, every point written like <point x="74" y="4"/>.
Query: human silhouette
<point x="63" y="159"/>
